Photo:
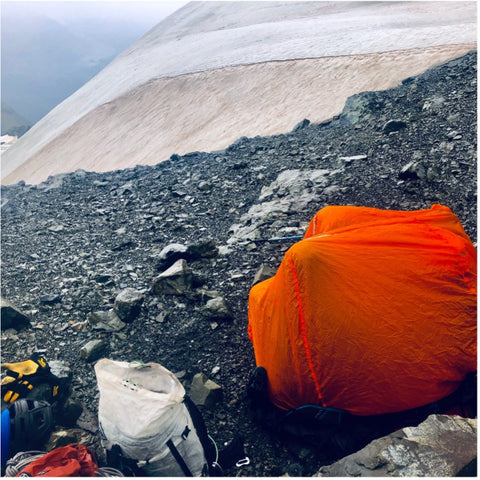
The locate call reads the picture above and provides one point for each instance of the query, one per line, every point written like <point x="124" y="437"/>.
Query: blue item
<point x="5" y="425"/>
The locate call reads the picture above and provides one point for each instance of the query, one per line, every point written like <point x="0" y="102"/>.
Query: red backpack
<point x="73" y="460"/>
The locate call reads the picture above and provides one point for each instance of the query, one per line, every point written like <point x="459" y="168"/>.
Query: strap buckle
<point x="243" y="462"/>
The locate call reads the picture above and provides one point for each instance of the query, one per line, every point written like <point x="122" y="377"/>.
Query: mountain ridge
<point x="149" y="58"/>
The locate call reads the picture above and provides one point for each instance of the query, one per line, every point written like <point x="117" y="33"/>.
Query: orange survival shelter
<point x="373" y="311"/>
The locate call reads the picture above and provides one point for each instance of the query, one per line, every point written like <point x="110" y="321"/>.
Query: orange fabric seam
<point x="304" y="330"/>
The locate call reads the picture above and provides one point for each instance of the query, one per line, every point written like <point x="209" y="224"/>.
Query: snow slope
<point x="215" y="71"/>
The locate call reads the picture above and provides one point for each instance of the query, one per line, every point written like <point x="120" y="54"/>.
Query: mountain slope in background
<point x="54" y="53"/>
<point x="215" y="71"/>
<point x="50" y="49"/>
<point x="12" y="122"/>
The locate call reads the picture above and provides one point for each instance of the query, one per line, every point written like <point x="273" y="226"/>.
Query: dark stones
<point x="394" y="126"/>
<point x="50" y="299"/>
<point x="202" y="249"/>
<point x="412" y="171"/>
<point x="128" y="304"/>
<point x="12" y="317"/>
<point x="176" y="280"/>
<point x="105" y="320"/>
<point x="301" y="125"/>
<point x="93" y="350"/>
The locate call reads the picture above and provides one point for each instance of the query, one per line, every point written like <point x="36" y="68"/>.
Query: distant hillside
<point x="45" y="60"/>
<point x="12" y="122"/>
<point x="215" y="71"/>
<point x="55" y="54"/>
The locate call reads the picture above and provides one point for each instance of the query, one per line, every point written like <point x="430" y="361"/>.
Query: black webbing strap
<point x="201" y="429"/>
<point x="128" y="466"/>
<point x="179" y="459"/>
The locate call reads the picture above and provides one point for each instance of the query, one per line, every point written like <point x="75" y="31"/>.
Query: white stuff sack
<point x="141" y="408"/>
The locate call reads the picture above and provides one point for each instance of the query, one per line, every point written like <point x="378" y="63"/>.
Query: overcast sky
<point x="43" y="63"/>
<point x="147" y="12"/>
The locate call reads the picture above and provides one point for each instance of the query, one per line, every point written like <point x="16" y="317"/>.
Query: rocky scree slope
<point x="72" y="243"/>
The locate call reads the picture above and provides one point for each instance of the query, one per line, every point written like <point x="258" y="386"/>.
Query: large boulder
<point x="441" y="446"/>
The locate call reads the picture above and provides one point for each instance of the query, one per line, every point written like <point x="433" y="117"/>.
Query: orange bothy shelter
<point x="373" y="311"/>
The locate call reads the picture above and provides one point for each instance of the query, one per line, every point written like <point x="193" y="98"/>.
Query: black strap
<point x="201" y="429"/>
<point x="179" y="459"/>
<point x="128" y="466"/>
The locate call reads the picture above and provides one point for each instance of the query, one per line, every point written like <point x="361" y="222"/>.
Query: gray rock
<point x="264" y="272"/>
<point x="441" y="446"/>
<point x="128" y="304"/>
<point x="10" y="334"/>
<point x="291" y="192"/>
<point x="412" y="171"/>
<point x="453" y="119"/>
<point x="177" y="280"/>
<point x="105" y="320"/>
<point x="50" y="299"/>
<point x="332" y="189"/>
<point x="161" y="317"/>
<point x="218" y="309"/>
<point x="56" y="228"/>
<point x="93" y="350"/>
<point x="434" y="103"/>
<point x="12" y="317"/>
<point x="241" y="233"/>
<point x="394" y="126"/>
<point x="301" y="125"/>
<point x="204" y="186"/>
<point x="203" y="295"/>
<point x="170" y="254"/>
<point x="61" y="370"/>
<point x="124" y="244"/>
<point x="359" y="107"/>
<point x="352" y="158"/>
<point x="126" y="189"/>
<point x="204" y="249"/>
<point x="88" y="420"/>
<point x="434" y="173"/>
<point x="105" y="278"/>
<point x="205" y="392"/>
<point x="178" y="192"/>
<point x="99" y="183"/>
<point x="294" y="182"/>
